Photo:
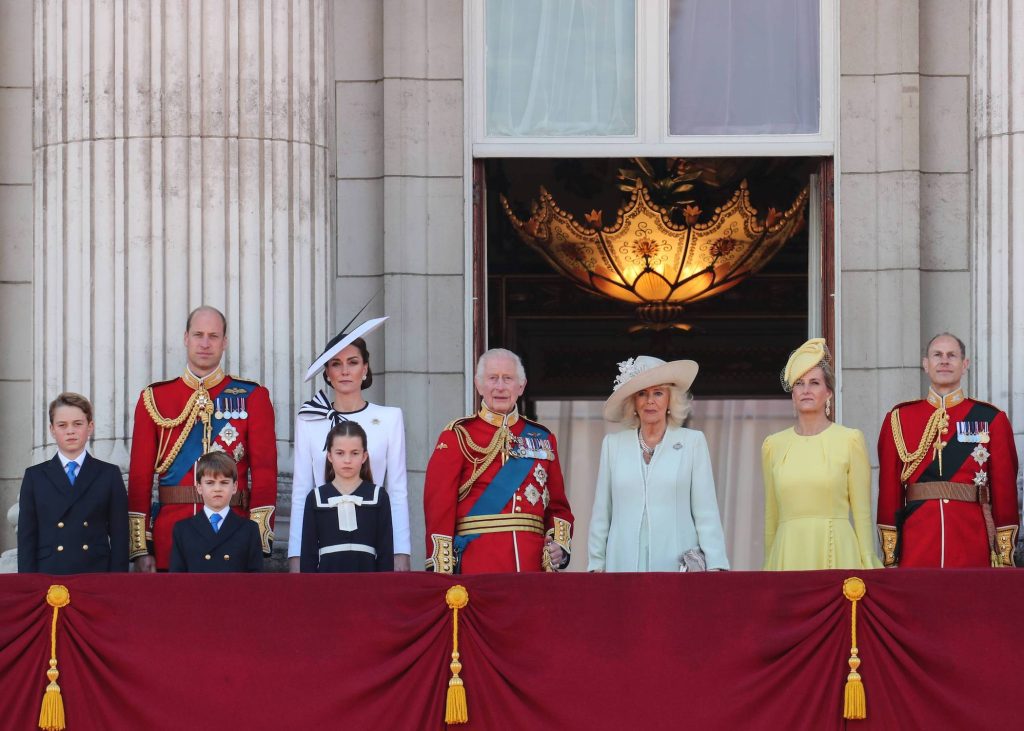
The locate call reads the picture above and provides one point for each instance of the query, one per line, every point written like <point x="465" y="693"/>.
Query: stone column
<point x="997" y="241"/>
<point x="879" y="211"/>
<point x="181" y="157"/>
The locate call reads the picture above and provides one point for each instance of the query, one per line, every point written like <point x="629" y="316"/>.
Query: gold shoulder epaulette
<point x="451" y="424"/>
<point x="533" y="421"/>
<point x="257" y="384"/>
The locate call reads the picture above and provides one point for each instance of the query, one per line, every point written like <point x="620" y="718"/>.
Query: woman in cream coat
<point x="655" y="498"/>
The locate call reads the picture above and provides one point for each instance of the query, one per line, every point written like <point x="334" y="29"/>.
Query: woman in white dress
<point x="346" y="368"/>
<point x="655" y="507"/>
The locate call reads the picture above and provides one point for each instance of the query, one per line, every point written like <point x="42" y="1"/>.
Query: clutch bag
<point x="693" y="560"/>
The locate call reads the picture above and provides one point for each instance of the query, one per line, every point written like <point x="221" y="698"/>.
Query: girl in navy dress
<point x="346" y="523"/>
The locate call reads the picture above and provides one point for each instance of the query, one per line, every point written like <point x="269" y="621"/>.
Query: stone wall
<point x="398" y="88"/>
<point x="904" y="192"/>
<point x="16" y="336"/>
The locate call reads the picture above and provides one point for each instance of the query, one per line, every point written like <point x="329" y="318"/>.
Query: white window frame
<point x="652" y="102"/>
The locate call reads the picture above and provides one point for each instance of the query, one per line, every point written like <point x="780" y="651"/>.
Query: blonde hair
<point x="680" y="403"/>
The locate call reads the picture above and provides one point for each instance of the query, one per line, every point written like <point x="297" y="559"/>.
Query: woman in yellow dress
<point x="816" y="474"/>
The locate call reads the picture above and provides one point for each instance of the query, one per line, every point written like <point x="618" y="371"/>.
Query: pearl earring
<point x="364" y="376"/>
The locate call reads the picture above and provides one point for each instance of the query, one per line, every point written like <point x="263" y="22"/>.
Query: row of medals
<point x="230" y="408"/>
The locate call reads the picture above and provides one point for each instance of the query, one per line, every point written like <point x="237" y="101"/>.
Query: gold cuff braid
<point x="261" y="517"/>
<point x="442" y="559"/>
<point x="1006" y="540"/>
<point x="887" y="536"/>
<point x="561" y="534"/>
<point x="137" y="535"/>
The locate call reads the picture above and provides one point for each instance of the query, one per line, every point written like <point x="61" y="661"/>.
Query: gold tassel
<point x="51" y="715"/>
<point x="854" y="701"/>
<point x="455" y="708"/>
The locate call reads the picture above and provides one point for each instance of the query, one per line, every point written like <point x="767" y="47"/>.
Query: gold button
<point x="227" y="557"/>
<point x="86" y="524"/>
<point x="85" y="547"/>
<point x="60" y="524"/>
<point x="207" y="557"/>
<point x="60" y="548"/>
<point x="519" y="497"/>
<point x="517" y="509"/>
<point x="945" y="499"/>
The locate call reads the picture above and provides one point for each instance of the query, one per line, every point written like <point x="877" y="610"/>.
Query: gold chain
<point x="498" y="445"/>
<point x="937" y="424"/>
<point x="199" y="405"/>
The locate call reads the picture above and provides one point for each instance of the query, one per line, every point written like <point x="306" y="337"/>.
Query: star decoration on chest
<point x="981" y="478"/>
<point x="532" y="494"/>
<point x="980" y="454"/>
<point x="228" y="434"/>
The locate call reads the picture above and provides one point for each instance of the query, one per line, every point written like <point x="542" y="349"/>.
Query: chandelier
<point x="645" y="258"/>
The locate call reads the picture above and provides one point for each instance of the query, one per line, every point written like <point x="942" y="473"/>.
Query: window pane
<point x="743" y="67"/>
<point x="561" y="67"/>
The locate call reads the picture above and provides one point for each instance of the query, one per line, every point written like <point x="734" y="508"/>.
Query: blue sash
<point x="192" y="449"/>
<point x="504" y="485"/>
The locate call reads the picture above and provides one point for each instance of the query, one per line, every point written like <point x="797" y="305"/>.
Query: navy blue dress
<point x="328" y="548"/>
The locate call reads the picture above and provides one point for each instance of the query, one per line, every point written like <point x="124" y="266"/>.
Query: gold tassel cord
<point x="455" y="709"/>
<point x="854" y="700"/>
<point x="51" y="715"/>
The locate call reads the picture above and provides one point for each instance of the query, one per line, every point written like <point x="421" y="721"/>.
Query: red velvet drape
<point x="711" y="651"/>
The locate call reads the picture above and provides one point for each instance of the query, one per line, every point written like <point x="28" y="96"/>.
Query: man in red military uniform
<point x="494" y="499"/>
<point x="947" y="481"/>
<point x="178" y="421"/>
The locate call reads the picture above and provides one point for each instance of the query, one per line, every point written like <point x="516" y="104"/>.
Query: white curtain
<point x="743" y="66"/>
<point x="561" y="67"/>
<point x="734" y="430"/>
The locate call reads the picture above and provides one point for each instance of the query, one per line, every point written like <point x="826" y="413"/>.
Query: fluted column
<point x="998" y="233"/>
<point x="181" y="157"/>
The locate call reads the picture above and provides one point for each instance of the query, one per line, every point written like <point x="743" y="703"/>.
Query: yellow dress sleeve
<point x="859" y="490"/>
<point x="771" y="511"/>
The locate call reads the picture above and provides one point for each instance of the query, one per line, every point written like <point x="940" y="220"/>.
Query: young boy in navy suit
<point x="73" y="508"/>
<point x="216" y="539"/>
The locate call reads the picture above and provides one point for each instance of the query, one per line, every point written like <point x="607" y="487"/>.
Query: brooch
<point x="532" y="494"/>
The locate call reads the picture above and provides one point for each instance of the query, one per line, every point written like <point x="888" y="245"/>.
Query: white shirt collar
<point x="80" y="459"/>
<point x="222" y="513"/>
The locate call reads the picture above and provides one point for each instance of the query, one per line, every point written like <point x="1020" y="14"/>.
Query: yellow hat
<point x="803" y="359"/>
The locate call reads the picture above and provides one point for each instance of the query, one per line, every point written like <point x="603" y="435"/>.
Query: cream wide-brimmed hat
<point x="642" y="372"/>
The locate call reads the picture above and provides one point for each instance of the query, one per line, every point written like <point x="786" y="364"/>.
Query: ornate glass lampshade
<point x="645" y="258"/>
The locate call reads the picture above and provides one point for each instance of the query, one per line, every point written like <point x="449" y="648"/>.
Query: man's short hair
<point x="499" y="353"/>
<point x="206" y="308"/>
<point x="69" y="398"/>
<point x="963" y="348"/>
<point x="216" y="464"/>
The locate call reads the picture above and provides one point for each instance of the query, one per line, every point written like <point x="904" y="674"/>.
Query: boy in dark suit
<point x="73" y="508"/>
<point x="216" y="540"/>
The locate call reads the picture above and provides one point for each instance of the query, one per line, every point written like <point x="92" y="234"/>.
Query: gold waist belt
<point x="500" y="523"/>
<point x="942" y="490"/>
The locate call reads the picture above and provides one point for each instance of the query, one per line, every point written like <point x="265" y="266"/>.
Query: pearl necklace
<point x="649" y="451"/>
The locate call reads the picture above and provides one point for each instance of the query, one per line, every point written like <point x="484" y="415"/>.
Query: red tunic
<point x="251" y="441"/>
<point x="945" y="532"/>
<point x="541" y="494"/>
